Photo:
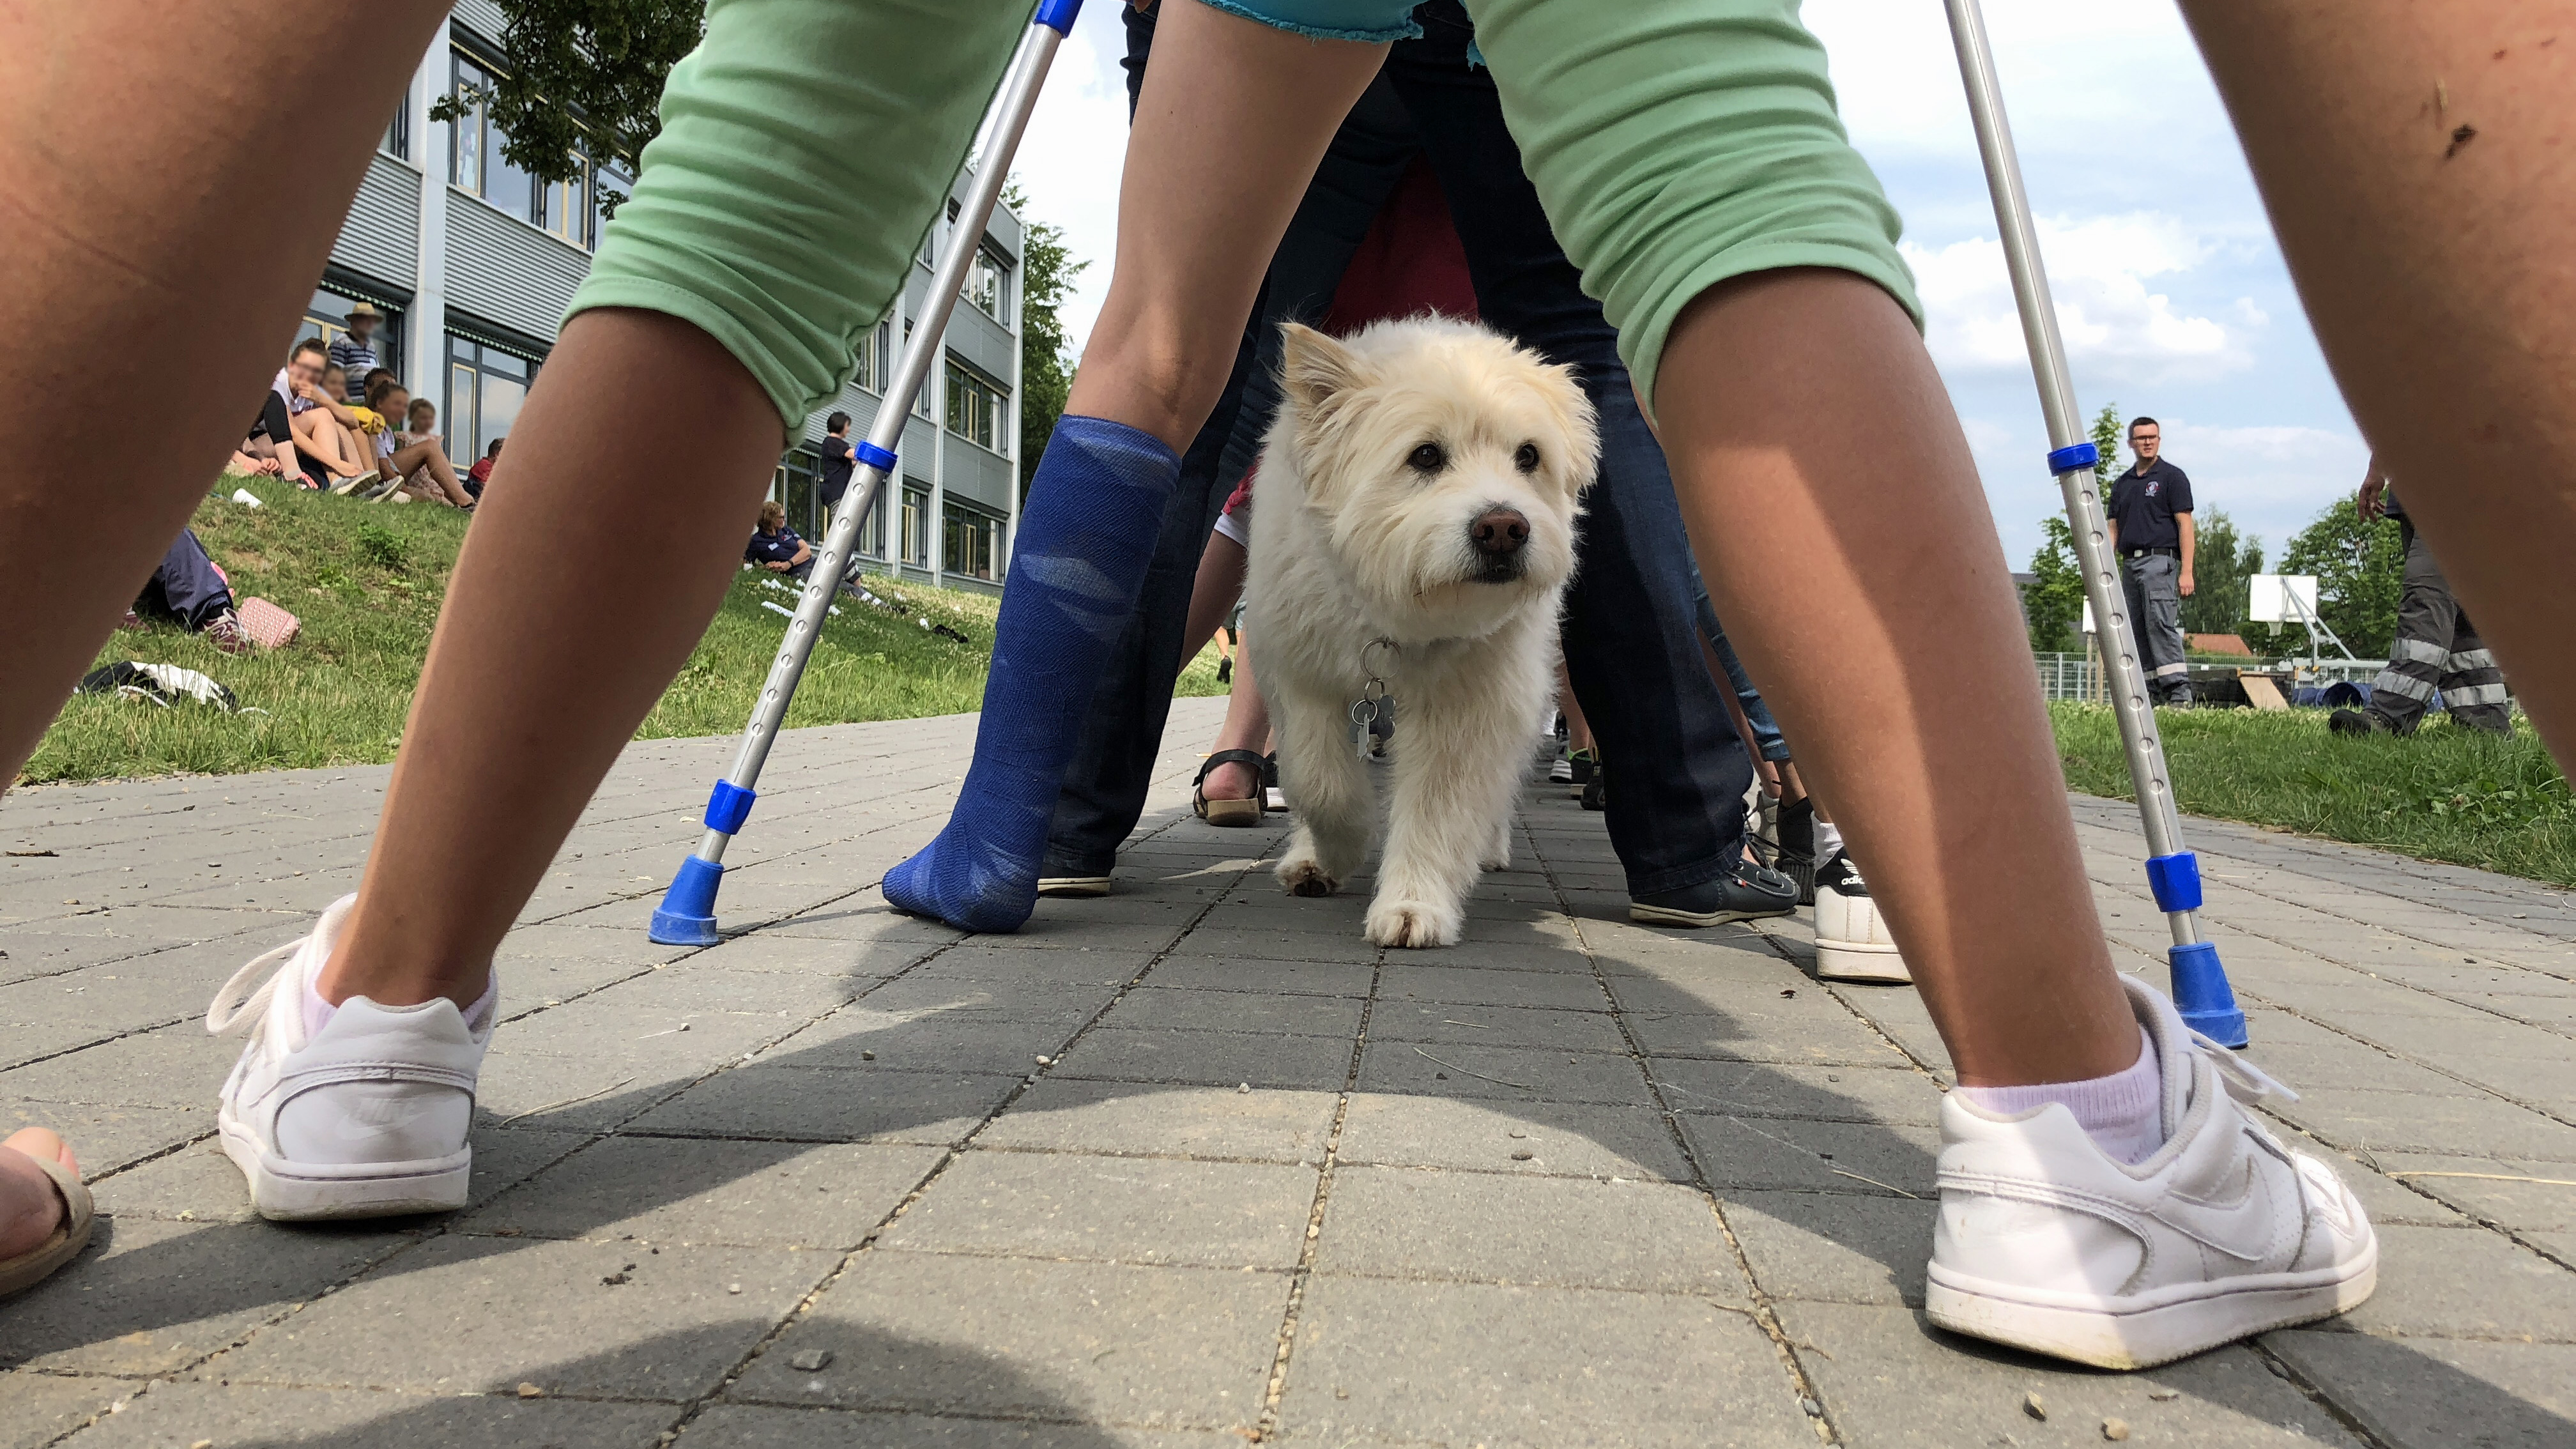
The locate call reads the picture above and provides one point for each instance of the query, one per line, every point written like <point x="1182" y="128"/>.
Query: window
<point x="872" y="529"/>
<point x="397" y="141"/>
<point x="921" y="397"/>
<point x="970" y="540"/>
<point x="975" y="406"/>
<point x="475" y="166"/>
<point x="565" y="206"/>
<point x="327" y="317"/>
<point x="988" y="285"/>
<point x="485" y="387"/>
<point x="873" y="364"/>
<point x="794" y="487"/>
<point x="916" y="527"/>
<point x="609" y="185"/>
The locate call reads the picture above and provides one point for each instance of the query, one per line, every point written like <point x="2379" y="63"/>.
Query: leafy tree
<point x="2106" y="441"/>
<point x="2222" y="562"/>
<point x="2053" y="601"/>
<point x="582" y="78"/>
<point x="1047" y="273"/>
<point x="2360" y="570"/>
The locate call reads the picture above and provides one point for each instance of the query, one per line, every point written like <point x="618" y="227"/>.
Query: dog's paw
<point x="1412" y="924"/>
<point x="1498" y="860"/>
<point x="1304" y="877"/>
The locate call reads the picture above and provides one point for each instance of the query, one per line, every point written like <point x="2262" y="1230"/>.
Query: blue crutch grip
<point x="728" y="806"/>
<point x="687" y="916"/>
<point x="2202" y="995"/>
<point x="2072" y="457"/>
<point x="2175" y="879"/>
<point x="871" y="456"/>
<point x="1058" y="15"/>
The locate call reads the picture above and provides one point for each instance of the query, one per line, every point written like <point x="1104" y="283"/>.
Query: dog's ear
<point x="1314" y="369"/>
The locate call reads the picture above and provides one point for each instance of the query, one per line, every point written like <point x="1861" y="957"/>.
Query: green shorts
<point x="807" y="145"/>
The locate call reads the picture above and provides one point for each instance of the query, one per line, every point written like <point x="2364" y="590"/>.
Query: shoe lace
<point x="2246" y="1082"/>
<point x="239" y="1002"/>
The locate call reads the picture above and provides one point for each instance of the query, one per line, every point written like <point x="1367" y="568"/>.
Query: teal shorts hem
<point x="1307" y="17"/>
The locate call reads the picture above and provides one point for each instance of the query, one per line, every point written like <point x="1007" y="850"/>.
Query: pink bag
<point x="269" y="626"/>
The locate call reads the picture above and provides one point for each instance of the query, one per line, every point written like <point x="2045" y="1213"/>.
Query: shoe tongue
<point x="2170" y="1040"/>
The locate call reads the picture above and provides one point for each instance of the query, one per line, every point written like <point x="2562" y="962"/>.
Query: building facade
<point x="473" y="261"/>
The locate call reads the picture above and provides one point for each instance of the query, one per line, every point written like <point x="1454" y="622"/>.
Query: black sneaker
<point x="1063" y="877"/>
<point x="2348" y="722"/>
<point x="1752" y="893"/>
<point x="1596" y="791"/>
<point x="1797" y="833"/>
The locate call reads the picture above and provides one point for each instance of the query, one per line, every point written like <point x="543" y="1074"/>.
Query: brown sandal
<point x="1228" y="812"/>
<point x="36" y="1264"/>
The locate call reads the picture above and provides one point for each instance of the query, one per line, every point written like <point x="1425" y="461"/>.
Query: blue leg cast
<point x="1086" y="536"/>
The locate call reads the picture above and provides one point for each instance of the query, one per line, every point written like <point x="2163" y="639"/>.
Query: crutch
<point x="2200" y="986"/>
<point x="687" y="916"/>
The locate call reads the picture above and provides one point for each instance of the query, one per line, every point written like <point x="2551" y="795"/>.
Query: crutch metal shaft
<point x="2200" y="985"/>
<point x="687" y="913"/>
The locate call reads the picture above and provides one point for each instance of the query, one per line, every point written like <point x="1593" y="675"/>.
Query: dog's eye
<point x="1525" y="457"/>
<point x="1429" y="458"/>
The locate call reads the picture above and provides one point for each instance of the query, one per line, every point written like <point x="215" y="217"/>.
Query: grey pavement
<point x="1194" y="1165"/>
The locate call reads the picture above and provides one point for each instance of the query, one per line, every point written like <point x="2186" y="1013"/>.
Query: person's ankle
<point x="2122" y="1111"/>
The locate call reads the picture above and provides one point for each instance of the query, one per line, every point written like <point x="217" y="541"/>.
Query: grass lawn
<point x="2447" y="794"/>
<point x="367" y="580"/>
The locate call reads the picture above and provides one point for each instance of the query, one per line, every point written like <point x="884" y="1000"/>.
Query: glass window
<point x="916" y="526"/>
<point x="873" y="362"/>
<point x="475" y="163"/>
<point x="968" y="538"/>
<point x="872" y="529"/>
<point x="975" y="406"/>
<point x="795" y="490"/>
<point x="485" y="389"/>
<point x="920" y="399"/>
<point x="397" y="138"/>
<point x="568" y="206"/>
<point x="609" y="184"/>
<point x="987" y="287"/>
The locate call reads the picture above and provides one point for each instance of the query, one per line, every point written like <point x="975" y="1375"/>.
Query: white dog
<point x="1413" y="533"/>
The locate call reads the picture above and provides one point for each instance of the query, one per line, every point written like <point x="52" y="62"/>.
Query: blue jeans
<point x="1678" y="771"/>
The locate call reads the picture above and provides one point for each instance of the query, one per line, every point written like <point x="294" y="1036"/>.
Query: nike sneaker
<point x="2047" y="1243"/>
<point x="366" y="1117"/>
<point x="1852" y="940"/>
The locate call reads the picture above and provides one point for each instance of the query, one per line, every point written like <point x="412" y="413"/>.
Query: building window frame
<point x="471" y="363"/>
<point x="970" y="540"/>
<point x="566" y="210"/>
<point x="977" y="406"/>
<point x="987" y="287"/>
<point x="915" y="538"/>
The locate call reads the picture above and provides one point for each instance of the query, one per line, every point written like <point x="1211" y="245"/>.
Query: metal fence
<point x="2080" y="676"/>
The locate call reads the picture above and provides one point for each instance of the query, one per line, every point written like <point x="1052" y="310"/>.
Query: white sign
<point x="2281" y="598"/>
<point x="2087" y="625"/>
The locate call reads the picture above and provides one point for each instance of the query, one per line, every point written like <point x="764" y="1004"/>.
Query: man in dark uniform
<point x="2436" y="646"/>
<point x="2151" y="532"/>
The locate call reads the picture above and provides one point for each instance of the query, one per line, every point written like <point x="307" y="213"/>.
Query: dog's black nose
<point x="1499" y="533"/>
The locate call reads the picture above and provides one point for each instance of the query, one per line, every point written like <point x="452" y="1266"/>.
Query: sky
<point x="2170" y="289"/>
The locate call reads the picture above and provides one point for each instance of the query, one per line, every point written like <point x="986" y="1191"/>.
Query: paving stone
<point x="1114" y="1209"/>
<point x="1404" y="981"/>
<point x="1017" y="966"/>
<point x="1160" y="1347"/>
<point x="200" y="1184"/>
<point x="1131" y="1118"/>
<point x="1210" y="1058"/>
<point x="863" y="1038"/>
<point x="2347" y="1065"/>
<point x="1814" y="1038"/>
<point x="752" y="1426"/>
<point x="1834" y="1247"/>
<point x="1434" y="1022"/>
<point x="2418" y="1393"/>
<point x="585" y="1094"/>
<point x="1389" y="1222"/>
<point x="749" y="1194"/>
<point x="1506" y="1073"/>
<point x="1476" y="1363"/>
<point x="2522" y="1195"/>
<point x="1146" y="1009"/>
<point x="155" y="1297"/>
<point x="798" y="1104"/>
<point x="177" y="1066"/>
<point x="2444" y="1283"/>
<point x="1766" y="1089"/>
<point x="483" y="1315"/>
<point x="924" y="997"/>
<point x="106" y="1139"/>
<point x="183" y="1413"/>
<point x="1785" y="1153"/>
<point x="1889" y="1379"/>
<point x="1261" y="974"/>
<point x="44" y="1407"/>
<point x="2413" y="1122"/>
<point x="1563" y="1139"/>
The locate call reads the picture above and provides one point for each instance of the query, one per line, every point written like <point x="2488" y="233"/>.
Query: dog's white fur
<point x="1352" y="542"/>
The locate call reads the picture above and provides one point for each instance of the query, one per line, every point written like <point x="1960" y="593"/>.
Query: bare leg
<point x="1578" y="730"/>
<point x="319" y="437"/>
<point x="1214" y="593"/>
<point x="1247" y="725"/>
<point x="206" y="244"/>
<point x="498" y="759"/>
<point x="428" y="457"/>
<point x="1768" y="387"/>
<point x="2427" y="225"/>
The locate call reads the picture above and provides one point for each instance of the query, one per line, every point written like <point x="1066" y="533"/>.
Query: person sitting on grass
<point x="775" y="547"/>
<point x="268" y="449"/>
<point x="481" y="472"/>
<point x="329" y="439"/>
<point x="414" y="463"/>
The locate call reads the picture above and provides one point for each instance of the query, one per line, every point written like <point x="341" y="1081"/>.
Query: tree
<point x="2222" y="562"/>
<point x="1047" y="272"/>
<point x="2106" y="441"/>
<point x="2053" y="601"/>
<point x="582" y="78"/>
<point x="2360" y="570"/>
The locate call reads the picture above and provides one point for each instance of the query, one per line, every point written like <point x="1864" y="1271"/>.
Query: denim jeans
<point x="1678" y="772"/>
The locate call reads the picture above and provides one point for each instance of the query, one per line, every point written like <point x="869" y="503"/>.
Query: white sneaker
<point x="1852" y="942"/>
<point x="368" y="1117"/>
<point x="2046" y="1243"/>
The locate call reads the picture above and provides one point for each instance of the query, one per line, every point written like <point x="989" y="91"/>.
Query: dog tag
<point x="1363" y="715"/>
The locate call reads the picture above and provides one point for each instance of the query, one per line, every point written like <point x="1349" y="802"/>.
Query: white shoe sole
<point x="289" y="1192"/>
<point x="2137" y="1334"/>
<point x="1864" y="961"/>
<point x="1074" y="885"/>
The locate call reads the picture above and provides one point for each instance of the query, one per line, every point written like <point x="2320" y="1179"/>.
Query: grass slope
<point x="2447" y="794"/>
<point x="367" y="581"/>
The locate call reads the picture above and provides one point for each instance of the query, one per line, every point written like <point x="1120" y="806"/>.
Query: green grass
<point x="367" y="581"/>
<point x="2447" y="794"/>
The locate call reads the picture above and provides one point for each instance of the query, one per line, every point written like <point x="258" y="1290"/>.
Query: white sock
<point x="1829" y="838"/>
<point x="318" y="1013"/>
<point x="2123" y="1112"/>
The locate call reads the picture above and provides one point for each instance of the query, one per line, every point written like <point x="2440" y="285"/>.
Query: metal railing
<point x="2079" y="677"/>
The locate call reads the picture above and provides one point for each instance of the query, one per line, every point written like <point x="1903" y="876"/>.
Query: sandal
<point x="36" y="1264"/>
<point x="1227" y="812"/>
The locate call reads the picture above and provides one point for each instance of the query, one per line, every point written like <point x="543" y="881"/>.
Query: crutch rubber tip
<point x="687" y="916"/>
<point x="2201" y="994"/>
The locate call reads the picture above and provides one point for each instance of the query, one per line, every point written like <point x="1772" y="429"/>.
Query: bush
<point x="383" y="547"/>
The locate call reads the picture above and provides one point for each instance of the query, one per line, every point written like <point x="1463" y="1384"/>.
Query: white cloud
<point x="2118" y="326"/>
<point x="1070" y="160"/>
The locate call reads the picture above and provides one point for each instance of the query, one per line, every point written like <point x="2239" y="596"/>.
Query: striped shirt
<point x="357" y="359"/>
